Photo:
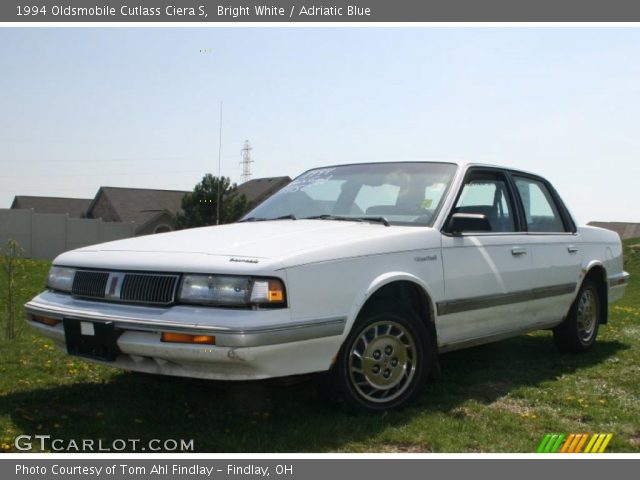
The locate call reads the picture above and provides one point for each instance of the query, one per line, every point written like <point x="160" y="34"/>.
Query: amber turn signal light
<point x="51" y="322"/>
<point x="276" y="291"/>
<point x="171" y="337"/>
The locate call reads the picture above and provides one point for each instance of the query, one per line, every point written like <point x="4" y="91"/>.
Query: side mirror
<point x="468" y="222"/>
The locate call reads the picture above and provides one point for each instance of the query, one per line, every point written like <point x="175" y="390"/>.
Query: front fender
<point x="376" y="284"/>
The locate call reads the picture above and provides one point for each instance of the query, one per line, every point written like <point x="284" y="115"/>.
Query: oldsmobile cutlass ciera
<point x="365" y="272"/>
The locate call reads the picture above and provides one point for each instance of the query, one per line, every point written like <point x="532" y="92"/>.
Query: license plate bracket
<point x="96" y="340"/>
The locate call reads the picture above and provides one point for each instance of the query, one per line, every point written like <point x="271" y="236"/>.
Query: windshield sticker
<point x="315" y="177"/>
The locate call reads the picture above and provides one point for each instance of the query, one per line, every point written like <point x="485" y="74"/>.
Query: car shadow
<point x="488" y="372"/>
<point x="262" y="417"/>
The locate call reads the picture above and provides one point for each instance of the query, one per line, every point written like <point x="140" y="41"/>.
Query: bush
<point x="10" y="258"/>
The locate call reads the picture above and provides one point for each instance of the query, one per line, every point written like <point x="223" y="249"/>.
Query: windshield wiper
<point x="382" y="220"/>
<point x="289" y="216"/>
<point x="327" y="216"/>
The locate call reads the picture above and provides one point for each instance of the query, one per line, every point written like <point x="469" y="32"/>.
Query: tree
<point x="200" y="207"/>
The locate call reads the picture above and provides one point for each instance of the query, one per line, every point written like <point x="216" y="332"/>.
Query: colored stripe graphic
<point x="574" y="443"/>
<point x="551" y="443"/>
<point x="606" y="442"/>
<point x="594" y="437"/>
<point x="600" y="442"/>
<point x="556" y="446"/>
<point x="566" y="445"/>
<point x="543" y="443"/>
<point x="583" y="439"/>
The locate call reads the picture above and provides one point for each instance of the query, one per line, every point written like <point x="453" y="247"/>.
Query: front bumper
<point x="250" y="344"/>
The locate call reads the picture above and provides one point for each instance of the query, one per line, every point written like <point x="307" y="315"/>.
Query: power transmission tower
<point x="246" y="162"/>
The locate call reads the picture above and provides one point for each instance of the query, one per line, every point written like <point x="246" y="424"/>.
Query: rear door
<point x="487" y="275"/>
<point x="555" y="250"/>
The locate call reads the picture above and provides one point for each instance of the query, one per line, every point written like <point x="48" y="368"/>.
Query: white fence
<point x="45" y="235"/>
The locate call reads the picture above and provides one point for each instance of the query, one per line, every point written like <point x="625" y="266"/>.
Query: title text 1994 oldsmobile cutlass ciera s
<point x="365" y="272"/>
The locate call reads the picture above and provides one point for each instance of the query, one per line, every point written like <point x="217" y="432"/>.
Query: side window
<point x="487" y="194"/>
<point x="540" y="209"/>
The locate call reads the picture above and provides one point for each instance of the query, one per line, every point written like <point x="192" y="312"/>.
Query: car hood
<point x="286" y="242"/>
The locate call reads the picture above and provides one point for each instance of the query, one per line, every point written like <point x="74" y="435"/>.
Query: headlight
<point x="60" y="278"/>
<point x="231" y="290"/>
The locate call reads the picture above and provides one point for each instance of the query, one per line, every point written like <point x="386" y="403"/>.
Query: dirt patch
<point x="511" y="405"/>
<point x="463" y="412"/>
<point x="405" y="448"/>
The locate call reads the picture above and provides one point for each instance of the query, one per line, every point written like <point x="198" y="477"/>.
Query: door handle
<point x="572" y="249"/>
<point x="518" y="251"/>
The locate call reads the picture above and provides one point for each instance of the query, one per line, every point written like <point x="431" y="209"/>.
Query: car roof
<point x="501" y="167"/>
<point x="460" y="163"/>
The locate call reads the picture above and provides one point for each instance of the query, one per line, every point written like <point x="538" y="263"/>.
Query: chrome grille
<point x="149" y="288"/>
<point x="141" y="287"/>
<point x="89" y="284"/>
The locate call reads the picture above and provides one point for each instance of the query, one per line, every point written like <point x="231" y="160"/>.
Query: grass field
<point x="496" y="398"/>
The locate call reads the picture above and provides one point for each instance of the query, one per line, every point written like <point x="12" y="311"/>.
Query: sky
<point x="82" y="108"/>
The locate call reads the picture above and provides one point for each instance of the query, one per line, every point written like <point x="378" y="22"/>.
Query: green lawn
<point x="495" y="398"/>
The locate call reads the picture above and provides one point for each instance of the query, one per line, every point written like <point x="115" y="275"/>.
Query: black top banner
<point x="321" y="11"/>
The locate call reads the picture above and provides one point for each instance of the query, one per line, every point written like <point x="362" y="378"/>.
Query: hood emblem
<point x="244" y="260"/>
<point x="114" y="285"/>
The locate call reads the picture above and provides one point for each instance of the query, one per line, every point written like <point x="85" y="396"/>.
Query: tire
<point x="578" y="332"/>
<point x="384" y="362"/>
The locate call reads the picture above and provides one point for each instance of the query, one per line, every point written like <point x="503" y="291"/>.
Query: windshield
<point x="397" y="193"/>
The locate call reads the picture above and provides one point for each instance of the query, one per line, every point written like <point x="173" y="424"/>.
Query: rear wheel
<point x="579" y="330"/>
<point x="384" y="362"/>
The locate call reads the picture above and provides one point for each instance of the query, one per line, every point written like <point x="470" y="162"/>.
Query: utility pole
<point x="246" y="162"/>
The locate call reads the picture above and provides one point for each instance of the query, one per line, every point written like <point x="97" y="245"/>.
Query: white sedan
<point x="364" y="272"/>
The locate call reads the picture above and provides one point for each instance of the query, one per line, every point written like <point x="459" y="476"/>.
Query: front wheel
<point x="384" y="362"/>
<point x="577" y="333"/>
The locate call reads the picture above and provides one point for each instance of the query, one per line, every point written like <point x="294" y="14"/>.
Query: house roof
<point x="140" y="205"/>
<point x="260" y="189"/>
<point x="75" y="207"/>
<point x="624" y="229"/>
